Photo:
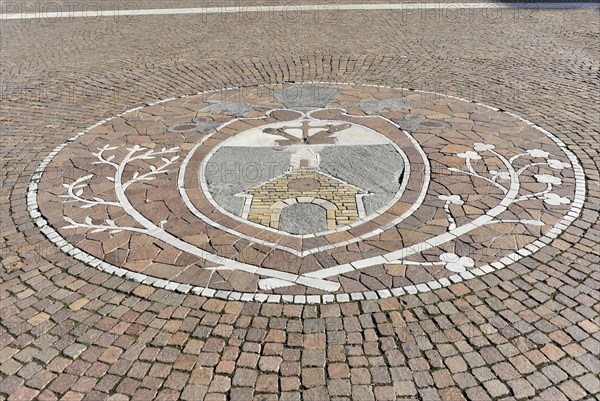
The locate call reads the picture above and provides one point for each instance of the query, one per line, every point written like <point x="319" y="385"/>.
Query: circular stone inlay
<point x="309" y="193"/>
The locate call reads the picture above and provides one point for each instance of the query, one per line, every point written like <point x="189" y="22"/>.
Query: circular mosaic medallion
<point x="307" y="193"/>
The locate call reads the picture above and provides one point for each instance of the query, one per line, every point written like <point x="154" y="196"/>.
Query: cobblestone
<point x="69" y="331"/>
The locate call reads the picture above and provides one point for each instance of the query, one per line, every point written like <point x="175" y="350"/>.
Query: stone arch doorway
<point x="303" y="215"/>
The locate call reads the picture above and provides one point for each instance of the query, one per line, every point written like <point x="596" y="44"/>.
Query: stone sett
<point x="71" y="332"/>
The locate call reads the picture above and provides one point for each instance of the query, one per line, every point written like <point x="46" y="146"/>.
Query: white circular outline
<point x="529" y="249"/>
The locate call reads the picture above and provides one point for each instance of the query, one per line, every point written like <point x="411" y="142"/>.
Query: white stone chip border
<point x="90" y="260"/>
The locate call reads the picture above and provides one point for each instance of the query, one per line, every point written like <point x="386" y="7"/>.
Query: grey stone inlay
<point x="415" y="122"/>
<point x="230" y="108"/>
<point x="202" y="124"/>
<point x="377" y="106"/>
<point x="231" y="170"/>
<point x="306" y="96"/>
<point x="303" y="218"/>
<point x="375" y="168"/>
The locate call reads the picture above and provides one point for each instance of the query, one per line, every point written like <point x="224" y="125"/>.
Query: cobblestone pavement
<point x="488" y="290"/>
<point x="66" y="6"/>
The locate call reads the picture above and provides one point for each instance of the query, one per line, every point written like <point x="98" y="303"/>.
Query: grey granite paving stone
<point x="234" y="169"/>
<point x="303" y="219"/>
<point x="354" y="165"/>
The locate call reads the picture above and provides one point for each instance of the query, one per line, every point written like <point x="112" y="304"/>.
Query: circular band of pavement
<point x="142" y="219"/>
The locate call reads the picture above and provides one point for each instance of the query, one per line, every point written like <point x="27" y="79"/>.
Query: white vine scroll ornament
<point x="75" y="192"/>
<point x="318" y="279"/>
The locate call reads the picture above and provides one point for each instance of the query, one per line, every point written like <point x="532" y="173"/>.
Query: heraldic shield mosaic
<point x="309" y="193"/>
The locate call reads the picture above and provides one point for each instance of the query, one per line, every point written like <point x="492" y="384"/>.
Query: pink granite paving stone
<point x="357" y="201"/>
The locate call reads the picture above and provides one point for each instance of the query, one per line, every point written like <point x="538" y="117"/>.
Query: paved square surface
<point x="299" y="203"/>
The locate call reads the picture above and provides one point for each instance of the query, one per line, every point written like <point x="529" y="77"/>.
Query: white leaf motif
<point x="454" y="199"/>
<point x="557" y="164"/>
<point x="547" y="179"/>
<point x="555" y="199"/>
<point x="469" y="155"/>
<point x="456" y="264"/>
<point x="482" y="147"/>
<point x="538" y="153"/>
